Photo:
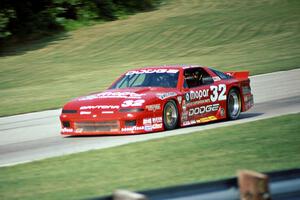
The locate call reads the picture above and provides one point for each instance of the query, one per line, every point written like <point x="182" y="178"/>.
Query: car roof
<point x="179" y="66"/>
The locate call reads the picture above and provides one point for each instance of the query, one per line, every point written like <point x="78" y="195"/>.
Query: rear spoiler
<point x="240" y="75"/>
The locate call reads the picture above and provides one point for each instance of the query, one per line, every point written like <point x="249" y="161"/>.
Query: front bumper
<point x="117" y="124"/>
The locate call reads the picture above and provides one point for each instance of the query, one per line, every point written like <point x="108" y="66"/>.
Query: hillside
<point x="260" y="36"/>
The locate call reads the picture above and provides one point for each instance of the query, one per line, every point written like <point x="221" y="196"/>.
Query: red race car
<point x="159" y="98"/>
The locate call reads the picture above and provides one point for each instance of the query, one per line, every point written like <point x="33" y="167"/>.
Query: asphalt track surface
<point x="36" y="136"/>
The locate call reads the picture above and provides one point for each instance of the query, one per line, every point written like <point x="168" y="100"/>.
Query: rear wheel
<point x="234" y="104"/>
<point x="170" y="115"/>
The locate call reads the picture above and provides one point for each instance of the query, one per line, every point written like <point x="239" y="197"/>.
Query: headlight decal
<point x="69" y="111"/>
<point x="131" y="110"/>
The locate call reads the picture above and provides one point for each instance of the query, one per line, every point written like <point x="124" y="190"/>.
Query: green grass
<point x="265" y="145"/>
<point x="255" y="35"/>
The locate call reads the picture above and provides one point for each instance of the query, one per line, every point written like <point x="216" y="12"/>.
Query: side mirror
<point x="207" y="80"/>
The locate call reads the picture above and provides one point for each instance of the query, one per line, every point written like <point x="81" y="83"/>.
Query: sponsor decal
<point x="79" y="130"/>
<point x="99" y="107"/>
<point x="148" y="128"/>
<point x="193" y="122"/>
<point x="132" y="103"/>
<point x="155" y="120"/>
<point x="179" y="99"/>
<point x="222" y="112"/>
<point x="186" y="123"/>
<point x="107" y="112"/>
<point x="153" y="107"/>
<point x="206" y="119"/>
<point x="67" y="130"/>
<point x="187" y="97"/>
<point x="203" y="109"/>
<point x="147" y="121"/>
<point x="196" y="103"/>
<point x="152" y="123"/>
<point x="134" y="128"/>
<point x="218" y="92"/>
<point x="151" y="71"/>
<point x="199" y="94"/>
<point x="85" y="112"/>
<point x="157" y="126"/>
<point x="216" y="78"/>
<point x="184" y="105"/>
<point x="163" y="96"/>
<point x="184" y="116"/>
<point x="121" y="95"/>
<point x="145" y="128"/>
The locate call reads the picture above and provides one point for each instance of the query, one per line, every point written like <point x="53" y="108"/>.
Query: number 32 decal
<point x="218" y="92"/>
<point x="129" y="103"/>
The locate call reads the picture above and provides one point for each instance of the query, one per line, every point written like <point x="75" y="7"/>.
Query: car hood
<point x="114" y="99"/>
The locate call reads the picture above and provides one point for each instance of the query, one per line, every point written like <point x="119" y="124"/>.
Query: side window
<point x="207" y="80"/>
<point x="195" y="77"/>
<point x="221" y="74"/>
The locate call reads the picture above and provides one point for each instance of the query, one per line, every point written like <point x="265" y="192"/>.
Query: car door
<point x="202" y="96"/>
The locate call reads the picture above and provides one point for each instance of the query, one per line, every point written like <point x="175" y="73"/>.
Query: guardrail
<point x="280" y="185"/>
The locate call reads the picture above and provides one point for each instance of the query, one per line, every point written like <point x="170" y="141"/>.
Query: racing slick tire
<point x="234" y="104"/>
<point x="170" y="115"/>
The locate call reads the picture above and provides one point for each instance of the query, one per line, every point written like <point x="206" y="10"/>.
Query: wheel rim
<point x="170" y="115"/>
<point x="234" y="104"/>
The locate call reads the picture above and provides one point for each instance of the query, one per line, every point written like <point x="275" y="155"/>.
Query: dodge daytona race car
<point x="159" y="98"/>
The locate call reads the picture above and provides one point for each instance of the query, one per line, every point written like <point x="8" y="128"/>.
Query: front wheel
<point x="170" y="118"/>
<point x="233" y="104"/>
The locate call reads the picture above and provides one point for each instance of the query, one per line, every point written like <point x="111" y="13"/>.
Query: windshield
<point x="166" y="78"/>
